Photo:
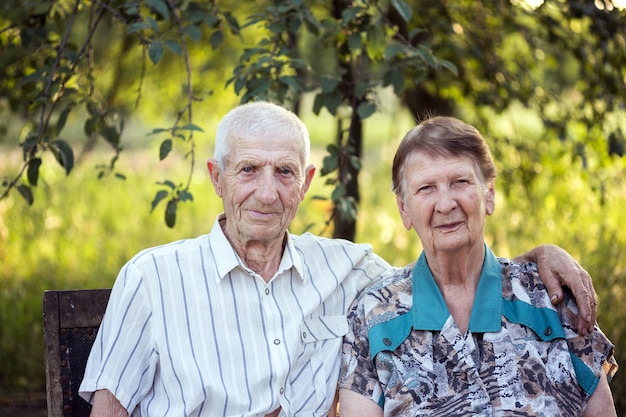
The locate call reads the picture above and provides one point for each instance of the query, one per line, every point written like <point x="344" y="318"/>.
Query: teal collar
<point x="429" y="308"/>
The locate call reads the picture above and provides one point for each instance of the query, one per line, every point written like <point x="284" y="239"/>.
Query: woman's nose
<point x="446" y="202"/>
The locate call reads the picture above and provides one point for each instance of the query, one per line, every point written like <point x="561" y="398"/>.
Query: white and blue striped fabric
<point x="191" y="331"/>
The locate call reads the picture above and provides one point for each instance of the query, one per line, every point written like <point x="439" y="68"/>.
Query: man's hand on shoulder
<point x="558" y="268"/>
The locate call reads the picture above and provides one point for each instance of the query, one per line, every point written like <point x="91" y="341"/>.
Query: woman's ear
<point x="490" y="203"/>
<point x="406" y="219"/>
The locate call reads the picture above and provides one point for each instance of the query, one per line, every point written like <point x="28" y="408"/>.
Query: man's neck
<point x="263" y="257"/>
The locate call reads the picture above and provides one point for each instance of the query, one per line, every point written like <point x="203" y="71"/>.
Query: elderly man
<point x="247" y="320"/>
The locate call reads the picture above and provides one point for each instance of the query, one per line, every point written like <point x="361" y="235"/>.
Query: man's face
<point x="261" y="186"/>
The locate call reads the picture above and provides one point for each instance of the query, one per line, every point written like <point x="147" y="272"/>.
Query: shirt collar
<point x="226" y="258"/>
<point x="429" y="307"/>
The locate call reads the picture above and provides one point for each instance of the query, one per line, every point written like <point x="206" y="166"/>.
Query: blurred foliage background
<point x="90" y="163"/>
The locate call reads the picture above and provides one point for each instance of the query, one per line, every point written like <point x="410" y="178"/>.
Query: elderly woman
<point x="462" y="332"/>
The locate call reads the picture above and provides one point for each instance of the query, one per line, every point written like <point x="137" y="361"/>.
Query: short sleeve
<point x="358" y="373"/>
<point x="594" y="350"/>
<point x="123" y="358"/>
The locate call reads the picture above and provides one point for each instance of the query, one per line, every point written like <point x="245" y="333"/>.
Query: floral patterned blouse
<point x="520" y="356"/>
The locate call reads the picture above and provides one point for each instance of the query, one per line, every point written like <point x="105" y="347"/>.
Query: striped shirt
<point x="520" y="356"/>
<point x="191" y="331"/>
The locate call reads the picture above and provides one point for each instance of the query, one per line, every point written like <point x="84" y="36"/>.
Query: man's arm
<point x="106" y="405"/>
<point x="352" y="404"/>
<point x="557" y="268"/>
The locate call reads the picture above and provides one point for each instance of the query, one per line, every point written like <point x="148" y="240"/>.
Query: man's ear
<point x="215" y="172"/>
<point x="309" y="173"/>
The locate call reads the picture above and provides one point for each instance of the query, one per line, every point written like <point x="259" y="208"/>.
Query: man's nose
<point x="267" y="190"/>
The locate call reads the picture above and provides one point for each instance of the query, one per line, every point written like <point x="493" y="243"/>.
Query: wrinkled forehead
<point x="420" y="163"/>
<point x="272" y="147"/>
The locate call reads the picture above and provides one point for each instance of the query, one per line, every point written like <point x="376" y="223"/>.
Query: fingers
<point x="593" y="302"/>
<point x="557" y="268"/>
<point x="586" y="300"/>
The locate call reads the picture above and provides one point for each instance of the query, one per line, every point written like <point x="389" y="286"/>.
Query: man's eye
<point x="285" y="171"/>
<point x="247" y="170"/>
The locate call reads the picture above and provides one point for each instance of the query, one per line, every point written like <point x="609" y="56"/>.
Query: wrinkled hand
<point x="558" y="268"/>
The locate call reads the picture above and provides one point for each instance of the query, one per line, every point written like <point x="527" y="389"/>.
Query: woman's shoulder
<point x="389" y="297"/>
<point x="521" y="280"/>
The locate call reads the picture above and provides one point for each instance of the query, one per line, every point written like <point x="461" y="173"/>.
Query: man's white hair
<point x="260" y="119"/>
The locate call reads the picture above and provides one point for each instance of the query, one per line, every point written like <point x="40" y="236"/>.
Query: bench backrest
<point x="71" y="321"/>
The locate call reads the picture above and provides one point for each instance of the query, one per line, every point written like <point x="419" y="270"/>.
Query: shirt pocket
<point x="320" y="328"/>
<point x="313" y="380"/>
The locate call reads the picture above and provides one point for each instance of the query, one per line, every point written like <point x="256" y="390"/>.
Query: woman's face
<point x="445" y="201"/>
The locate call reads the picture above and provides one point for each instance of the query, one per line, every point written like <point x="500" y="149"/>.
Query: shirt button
<point x="282" y="390"/>
<point x="547" y="331"/>
<point x="267" y="291"/>
<point x="277" y="341"/>
<point x="304" y="335"/>
<point x="387" y="341"/>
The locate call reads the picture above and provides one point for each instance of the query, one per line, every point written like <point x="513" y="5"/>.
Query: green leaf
<point x="338" y="193"/>
<point x="137" y="26"/>
<point x="366" y="109"/>
<point x="332" y="101"/>
<point x="354" y="42"/>
<point x="394" y="49"/>
<point x="328" y="84"/>
<point x="260" y="88"/>
<point x="153" y="24"/>
<point x="110" y="134"/>
<point x="330" y="164"/>
<point x="33" y="171"/>
<point x="450" y="67"/>
<point x="170" y="213"/>
<point x="64" y="154"/>
<point x="160" y="195"/>
<point x="355" y="161"/>
<point x="312" y="24"/>
<point x="191" y="126"/>
<point x="185" y="196"/>
<point x="62" y="119"/>
<point x="292" y="82"/>
<point x="216" y="39"/>
<point x="233" y="24"/>
<point x="160" y="7"/>
<point x="155" y="51"/>
<point x="158" y="130"/>
<point x="318" y="103"/>
<point x="403" y="9"/>
<point x="173" y="45"/>
<point x="26" y="193"/>
<point x="165" y="149"/>
<point x="168" y="183"/>
<point x="211" y="21"/>
<point x="193" y="32"/>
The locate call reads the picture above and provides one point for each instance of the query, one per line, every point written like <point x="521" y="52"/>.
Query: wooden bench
<point x="71" y="321"/>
